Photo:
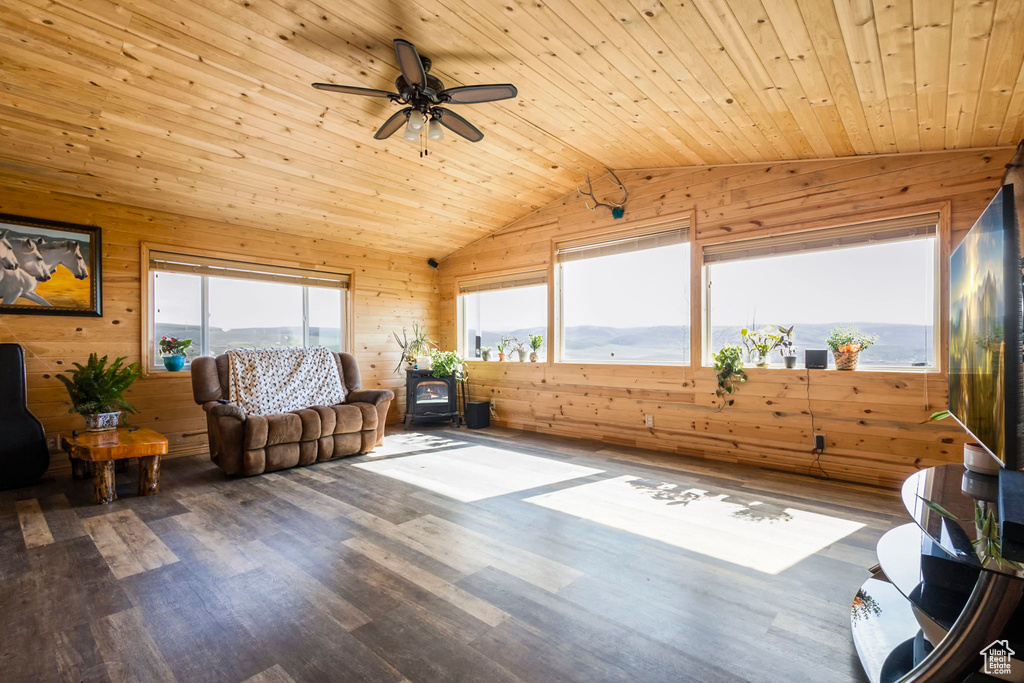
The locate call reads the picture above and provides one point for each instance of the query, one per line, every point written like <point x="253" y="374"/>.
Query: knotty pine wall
<point x="874" y="422"/>
<point x="390" y="291"/>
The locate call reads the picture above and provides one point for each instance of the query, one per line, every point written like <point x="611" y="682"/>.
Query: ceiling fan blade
<point x="458" y="125"/>
<point x="410" y="63"/>
<point x="474" y="94"/>
<point x="352" y="90"/>
<point x="396" y="121"/>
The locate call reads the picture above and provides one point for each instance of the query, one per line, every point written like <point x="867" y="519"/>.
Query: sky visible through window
<point x="631" y="307"/>
<point x="245" y="313"/>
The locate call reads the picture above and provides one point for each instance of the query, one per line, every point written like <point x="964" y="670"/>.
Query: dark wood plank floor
<point x="338" y="572"/>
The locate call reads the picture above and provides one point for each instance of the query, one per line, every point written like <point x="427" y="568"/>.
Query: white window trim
<point x="152" y="365"/>
<point x="937" y="320"/>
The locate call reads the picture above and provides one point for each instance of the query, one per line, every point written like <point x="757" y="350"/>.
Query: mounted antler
<point x="616" y="207"/>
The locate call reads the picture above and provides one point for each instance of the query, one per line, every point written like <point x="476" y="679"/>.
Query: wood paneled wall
<point x="390" y="291"/>
<point x="875" y="422"/>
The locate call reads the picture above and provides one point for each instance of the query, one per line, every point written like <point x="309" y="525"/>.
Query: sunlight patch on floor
<point x="477" y="472"/>
<point x="767" y="537"/>
<point x="409" y="442"/>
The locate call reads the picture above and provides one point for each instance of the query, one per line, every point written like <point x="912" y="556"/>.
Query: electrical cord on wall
<point x="814" y="432"/>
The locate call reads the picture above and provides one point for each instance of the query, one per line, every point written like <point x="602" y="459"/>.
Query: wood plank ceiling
<point x="203" y="107"/>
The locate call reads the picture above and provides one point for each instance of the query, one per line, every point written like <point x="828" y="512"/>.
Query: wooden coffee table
<point x="103" y="449"/>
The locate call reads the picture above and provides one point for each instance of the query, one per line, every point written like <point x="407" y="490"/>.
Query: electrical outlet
<point x="819" y="442"/>
<point x="51" y="443"/>
<point x="649" y="420"/>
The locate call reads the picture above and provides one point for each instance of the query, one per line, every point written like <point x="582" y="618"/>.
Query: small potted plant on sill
<point x="174" y="352"/>
<point x="786" y="347"/>
<point x="760" y="343"/>
<point x="520" y="349"/>
<point x="536" y="341"/>
<point x="96" y="390"/>
<point x="846" y="343"/>
<point x="504" y="344"/>
<point x="485" y="353"/>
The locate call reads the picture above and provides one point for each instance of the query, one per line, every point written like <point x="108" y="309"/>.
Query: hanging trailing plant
<point x="728" y="364"/>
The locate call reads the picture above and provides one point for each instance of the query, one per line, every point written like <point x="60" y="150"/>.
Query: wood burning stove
<point x="430" y="398"/>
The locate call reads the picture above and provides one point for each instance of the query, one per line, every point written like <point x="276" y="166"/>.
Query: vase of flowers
<point x="536" y="341"/>
<point x="760" y="343"/>
<point x="174" y="352"/>
<point x="846" y="343"/>
<point x="485" y="353"/>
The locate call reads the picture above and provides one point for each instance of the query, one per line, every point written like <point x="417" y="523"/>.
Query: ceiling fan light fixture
<point x="434" y="130"/>
<point x="423" y="95"/>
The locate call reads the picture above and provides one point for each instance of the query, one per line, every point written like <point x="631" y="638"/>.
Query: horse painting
<point x="22" y="282"/>
<point x="7" y="259"/>
<point x="49" y="267"/>
<point x="67" y="253"/>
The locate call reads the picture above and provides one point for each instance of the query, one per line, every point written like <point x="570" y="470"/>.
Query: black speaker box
<point x="478" y="414"/>
<point x="816" y="360"/>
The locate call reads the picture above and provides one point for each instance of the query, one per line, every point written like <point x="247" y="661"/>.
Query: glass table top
<point x="957" y="509"/>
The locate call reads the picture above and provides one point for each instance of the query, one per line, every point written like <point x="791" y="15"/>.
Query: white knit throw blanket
<point x="268" y="381"/>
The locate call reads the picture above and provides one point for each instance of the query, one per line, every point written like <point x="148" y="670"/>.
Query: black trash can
<point x="478" y="414"/>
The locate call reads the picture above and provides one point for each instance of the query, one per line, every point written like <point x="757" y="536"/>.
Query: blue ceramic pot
<point x="174" y="363"/>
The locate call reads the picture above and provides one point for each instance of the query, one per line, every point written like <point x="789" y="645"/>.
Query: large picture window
<point x="879" y="277"/>
<point x="625" y="300"/>
<point x="221" y="304"/>
<point x="513" y="306"/>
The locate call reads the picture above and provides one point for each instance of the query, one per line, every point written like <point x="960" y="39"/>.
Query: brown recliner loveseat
<point x="254" y="444"/>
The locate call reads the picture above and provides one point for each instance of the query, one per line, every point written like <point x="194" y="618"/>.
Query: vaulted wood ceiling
<point x="203" y="107"/>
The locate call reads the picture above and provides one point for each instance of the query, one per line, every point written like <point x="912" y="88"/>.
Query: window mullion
<point x="305" y="317"/>
<point x="204" y="316"/>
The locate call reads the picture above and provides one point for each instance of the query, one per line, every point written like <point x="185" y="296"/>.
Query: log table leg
<point x="80" y="469"/>
<point x="103" y="482"/>
<point x="149" y="475"/>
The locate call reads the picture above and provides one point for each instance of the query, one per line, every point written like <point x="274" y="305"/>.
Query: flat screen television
<point x="985" y="382"/>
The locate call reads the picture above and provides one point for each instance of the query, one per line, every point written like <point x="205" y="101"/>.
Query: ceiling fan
<point x="423" y="96"/>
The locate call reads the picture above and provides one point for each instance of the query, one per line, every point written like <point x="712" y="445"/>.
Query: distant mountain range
<point x="902" y="345"/>
<point x="898" y="345"/>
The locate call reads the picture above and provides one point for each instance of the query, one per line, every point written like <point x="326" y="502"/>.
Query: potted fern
<point x="96" y="390"/>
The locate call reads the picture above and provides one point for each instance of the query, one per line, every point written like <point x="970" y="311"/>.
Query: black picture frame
<point x="66" y="241"/>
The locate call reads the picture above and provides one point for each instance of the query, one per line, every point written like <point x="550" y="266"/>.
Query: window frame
<point x="150" y="360"/>
<point x="940" y="269"/>
<point x="683" y="222"/>
<point x="501" y="275"/>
